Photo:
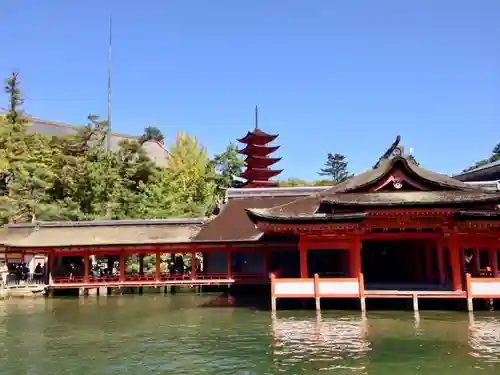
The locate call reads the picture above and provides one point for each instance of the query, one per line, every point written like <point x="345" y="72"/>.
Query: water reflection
<point x="181" y="335"/>
<point x="320" y="342"/>
<point x="484" y="338"/>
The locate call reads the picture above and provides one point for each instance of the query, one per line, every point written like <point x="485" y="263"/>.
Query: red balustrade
<point x="150" y="278"/>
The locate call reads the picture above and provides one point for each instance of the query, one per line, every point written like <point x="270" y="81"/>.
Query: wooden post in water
<point x="415" y="302"/>
<point x="273" y="295"/>
<point x="470" y="302"/>
<point x="362" y="298"/>
<point x="316" y="292"/>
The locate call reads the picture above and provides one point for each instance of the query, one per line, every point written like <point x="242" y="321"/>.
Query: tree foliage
<point x="335" y="168"/>
<point x="292" y="181"/>
<point x="76" y="178"/>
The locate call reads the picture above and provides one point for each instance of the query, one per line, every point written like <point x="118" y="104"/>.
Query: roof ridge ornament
<point x="396" y="149"/>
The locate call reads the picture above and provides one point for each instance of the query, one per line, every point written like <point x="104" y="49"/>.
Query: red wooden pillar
<point x="493" y="261"/>
<point x="122" y="267"/>
<point x="428" y="264"/>
<point x="456" y="279"/>
<point x="355" y="264"/>
<point x="303" y="257"/>
<point x="158" y="266"/>
<point x="229" y="265"/>
<point x="86" y="267"/>
<point x="440" y="261"/>
<point x="476" y="258"/>
<point x="193" y="264"/>
<point x="22" y="256"/>
<point x="51" y="272"/>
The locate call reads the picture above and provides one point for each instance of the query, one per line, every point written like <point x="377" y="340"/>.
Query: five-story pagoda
<point x="258" y="163"/>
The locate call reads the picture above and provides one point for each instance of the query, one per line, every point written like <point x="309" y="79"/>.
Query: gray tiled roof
<point x="91" y="233"/>
<point x="51" y="128"/>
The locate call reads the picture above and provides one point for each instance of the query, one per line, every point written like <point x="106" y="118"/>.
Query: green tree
<point x="228" y="165"/>
<point x="14" y="115"/>
<point x="26" y="165"/>
<point x="336" y="168"/>
<point x="292" y="181"/>
<point x="152" y="133"/>
<point x="184" y="189"/>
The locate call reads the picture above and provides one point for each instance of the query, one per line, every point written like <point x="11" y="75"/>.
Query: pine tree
<point x="27" y="163"/>
<point x="152" y="133"/>
<point x="335" y="168"/>
<point x="14" y="114"/>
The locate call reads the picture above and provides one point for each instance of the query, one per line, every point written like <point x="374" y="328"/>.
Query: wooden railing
<point x="482" y="287"/>
<point x="163" y="277"/>
<point x="317" y="287"/>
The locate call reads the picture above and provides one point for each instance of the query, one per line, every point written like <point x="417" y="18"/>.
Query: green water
<point x="179" y="335"/>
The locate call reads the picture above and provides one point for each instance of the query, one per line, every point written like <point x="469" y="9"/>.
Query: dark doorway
<point x="285" y="263"/>
<point x="388" y="264"/>
<point x="327" y="263"/>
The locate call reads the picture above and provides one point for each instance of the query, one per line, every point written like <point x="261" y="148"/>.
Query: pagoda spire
<point x="257" y="150"/>
<point x="256" y="117"/>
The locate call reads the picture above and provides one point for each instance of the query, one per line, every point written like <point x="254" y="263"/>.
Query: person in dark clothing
<point x="38" y="271"/>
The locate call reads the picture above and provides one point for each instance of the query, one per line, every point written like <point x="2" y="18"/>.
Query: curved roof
<point x="395" y="155"/>
<point x="257" y="137"/>
<point x="258" y="150"/>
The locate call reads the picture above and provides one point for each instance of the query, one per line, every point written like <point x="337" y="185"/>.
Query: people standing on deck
<point x="178" y="267"/>
<point x="4" y="271"/>
<point x="469" y="267"/>
<point x="25" y="271"/>
<point x="38" y="272"/>
<point x="72" y="271"/>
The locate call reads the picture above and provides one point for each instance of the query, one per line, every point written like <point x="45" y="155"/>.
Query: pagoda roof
<point x="256" y="174"/>
<point x="356" y="190"/>
<point x="257" y="137"/>
<point x="261" y="160"/>
<point x="258" y="150"/>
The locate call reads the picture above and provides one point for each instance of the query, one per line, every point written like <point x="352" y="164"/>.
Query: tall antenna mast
<point x="256" y="116"/>
<point x="108" y="141"/>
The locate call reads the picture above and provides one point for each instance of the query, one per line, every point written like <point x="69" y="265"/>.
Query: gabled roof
<point x="395" y="156"/>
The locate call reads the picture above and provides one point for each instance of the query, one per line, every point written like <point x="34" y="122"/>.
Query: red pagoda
<point x="257" y="150"/>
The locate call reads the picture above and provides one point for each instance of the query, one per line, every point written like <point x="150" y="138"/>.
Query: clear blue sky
<point x="329" y="76"/>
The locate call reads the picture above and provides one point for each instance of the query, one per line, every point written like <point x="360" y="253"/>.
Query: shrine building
<point x="394" y="231"/>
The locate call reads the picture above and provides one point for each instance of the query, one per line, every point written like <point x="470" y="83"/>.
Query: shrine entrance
<point x="399" y="264"/>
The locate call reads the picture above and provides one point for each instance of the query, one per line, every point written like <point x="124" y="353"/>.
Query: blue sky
<point x="329" y="76"/>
